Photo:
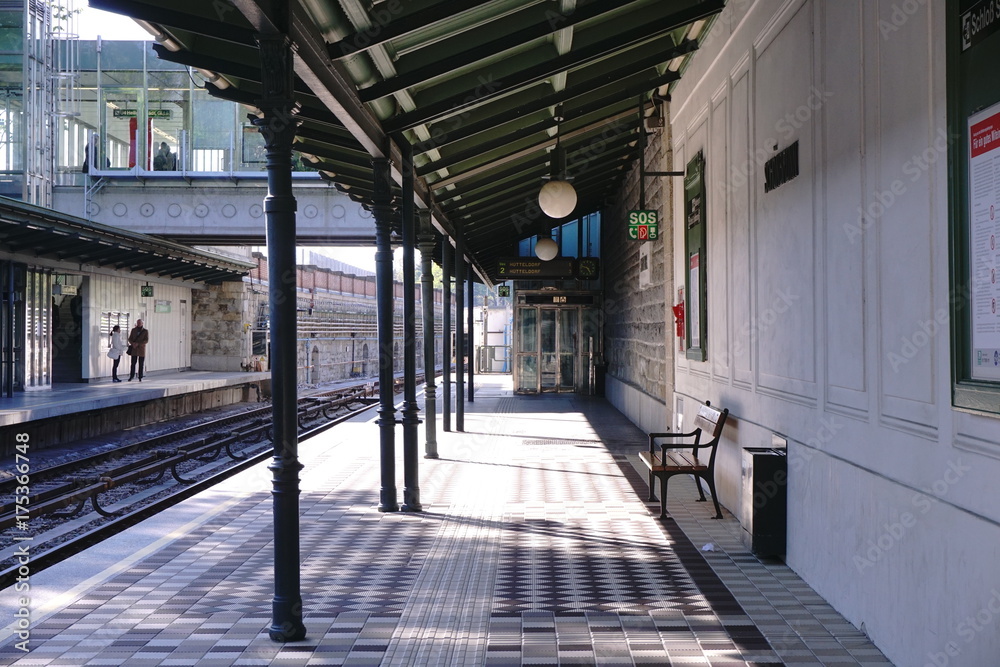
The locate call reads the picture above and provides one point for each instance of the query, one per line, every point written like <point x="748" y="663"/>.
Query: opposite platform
<point x="65" y="399"/>
<point x="535" y="547"/>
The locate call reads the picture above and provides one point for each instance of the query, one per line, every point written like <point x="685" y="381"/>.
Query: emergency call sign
<point x="643" y="225"/>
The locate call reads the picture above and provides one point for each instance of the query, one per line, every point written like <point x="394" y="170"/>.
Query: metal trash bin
<point x="765" y="500"/>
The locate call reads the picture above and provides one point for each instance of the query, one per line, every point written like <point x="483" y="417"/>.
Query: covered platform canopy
<point x="460" y="109"/>
<point x="40" y="232"/>
<point x="482" y="91"/>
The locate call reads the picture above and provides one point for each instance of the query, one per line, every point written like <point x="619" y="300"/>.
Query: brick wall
<point x="638" y="339"/>
<point x="219" y="339"/>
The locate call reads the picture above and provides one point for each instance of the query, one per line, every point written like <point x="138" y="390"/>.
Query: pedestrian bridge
<point x="214" y="209"/>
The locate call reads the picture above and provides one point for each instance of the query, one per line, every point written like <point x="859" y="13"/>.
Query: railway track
<point x="62" y="492"/>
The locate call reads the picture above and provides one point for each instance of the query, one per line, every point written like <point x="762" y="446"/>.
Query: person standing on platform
<point x="137" y="339"/>
<point x="117" y="347"/>
<point x="90" y="155"/>
<point x="165" y="160"/>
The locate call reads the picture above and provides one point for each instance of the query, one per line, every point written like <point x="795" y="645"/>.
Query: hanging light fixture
<point x="557" y="198"/>
<point x="546" y="248"/>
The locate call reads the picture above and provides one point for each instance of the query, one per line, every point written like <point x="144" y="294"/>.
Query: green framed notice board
<point x="973" y="88"/>
<point x="695" y="265"/>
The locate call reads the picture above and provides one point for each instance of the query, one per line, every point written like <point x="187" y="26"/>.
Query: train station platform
<point x="73" y="412"/>
<point x="69" y="398"/>
<point x="536" y="546"/>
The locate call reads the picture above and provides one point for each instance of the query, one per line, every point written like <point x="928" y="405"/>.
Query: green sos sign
<point x="643" y="225"/>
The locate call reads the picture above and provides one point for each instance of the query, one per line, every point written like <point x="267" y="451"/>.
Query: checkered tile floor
<point x="536" y="547"/>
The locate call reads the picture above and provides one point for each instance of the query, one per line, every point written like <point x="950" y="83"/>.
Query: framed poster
<point x="694" y="278"/>
<point x="984" y="242"/>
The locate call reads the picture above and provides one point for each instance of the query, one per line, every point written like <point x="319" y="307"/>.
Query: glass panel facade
<point x="577" y="238"/>
<point x="12" y="278"/>
<point x="38" y="329"/>
<point x="548" y="330"/>
<point x="185" y="129"/>
<point x="12" y="102"/>
<point x="569" y="239"/>
<point x="568" y="318"/>
<point x="527" y="374"/>
<point x="528" y="334"/>
<point x="169" y="98"/>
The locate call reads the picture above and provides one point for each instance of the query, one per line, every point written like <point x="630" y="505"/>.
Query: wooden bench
<point x="668" y="462"/>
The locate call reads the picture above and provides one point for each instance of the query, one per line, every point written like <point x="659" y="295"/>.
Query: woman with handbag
<point x="116" y="347"/>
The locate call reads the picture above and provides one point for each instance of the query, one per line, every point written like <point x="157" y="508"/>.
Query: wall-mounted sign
<point x="643" y="225"/>
<point x="782" y="168"/>
<point x="161" y="306"/>
<point x="586" y="268"/>
<point x="560" y="299"/>
<point x="66" y="290"/>
<point x="981" y="21"/>
<point x="529" y="267"/>
<point x="134" y="113"/>
<point x="145" y="290"/>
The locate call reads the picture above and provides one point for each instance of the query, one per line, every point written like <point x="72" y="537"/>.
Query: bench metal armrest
<point x="663" y="446"/>
<point x="673" y="435"/>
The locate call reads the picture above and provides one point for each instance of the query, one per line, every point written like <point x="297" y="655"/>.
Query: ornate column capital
<point x="277" y="103"/>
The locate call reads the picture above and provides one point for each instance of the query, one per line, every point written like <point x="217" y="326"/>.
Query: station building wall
<point x="337" y="337"/>
<point x="222" y="326"/>
<point x="638" y="335"/>
<point x="167" y="315"/>
<point x="893" y="512"/>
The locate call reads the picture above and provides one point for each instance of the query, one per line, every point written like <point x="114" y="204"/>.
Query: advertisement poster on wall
<point x="984" y="241"/>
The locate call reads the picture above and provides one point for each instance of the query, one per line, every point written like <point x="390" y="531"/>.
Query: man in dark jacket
<point x="137" y="339"/>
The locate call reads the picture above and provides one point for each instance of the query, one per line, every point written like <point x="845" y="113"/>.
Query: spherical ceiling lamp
<point x="546" y="249"/>
<point x="557" y="198"/>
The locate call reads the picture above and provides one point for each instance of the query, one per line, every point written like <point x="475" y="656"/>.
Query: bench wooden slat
<point x="682" y="460"/>
<point x="675" y="461"/>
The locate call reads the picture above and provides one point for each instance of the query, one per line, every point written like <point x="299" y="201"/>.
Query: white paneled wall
<point x="814" y="289"/>
<point x="169" y="332"/>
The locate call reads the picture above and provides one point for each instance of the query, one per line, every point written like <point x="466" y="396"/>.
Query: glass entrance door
<point x="547" y="349"/>
<point x="549" y="361"/>
<point x="526" y="376"/>
<point x="568" y="348"/>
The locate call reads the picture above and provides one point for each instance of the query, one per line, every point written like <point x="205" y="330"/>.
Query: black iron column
<point x="459" y="331"/>
<point x="411" y="475"/>
<point x="426" y="244"/>
<point x="447" y="257"/>
<point x="472" y="329"/>
<point x="382" y="209"/>
<point x="278" y="129"/>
